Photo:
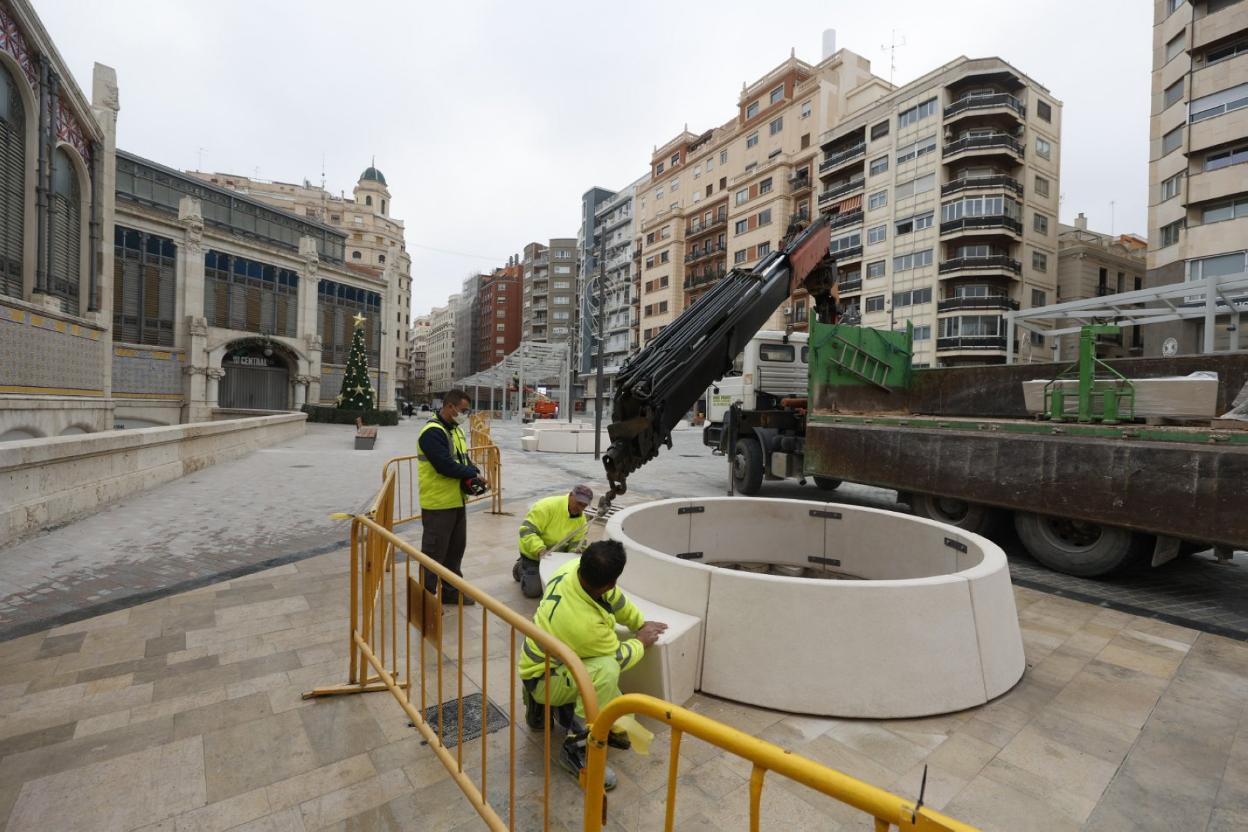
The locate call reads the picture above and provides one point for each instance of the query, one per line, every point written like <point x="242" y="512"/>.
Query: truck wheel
<point x="972" y="517"/>
<point x="827" y="483"/>
<point x="1076" y="547"/>
<point x="747" y="467"/>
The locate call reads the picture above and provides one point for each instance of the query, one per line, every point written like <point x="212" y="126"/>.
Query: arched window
<point x="12" y="184"/>
<point x="381" y="258"/>
<point x="383" y="206"/>
<point x="368" y="200"/>
<point x="355" y="255"/>
<point x="66" y="236"/>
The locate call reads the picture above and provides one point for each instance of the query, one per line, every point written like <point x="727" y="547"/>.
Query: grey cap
<point x="583" y="494"/>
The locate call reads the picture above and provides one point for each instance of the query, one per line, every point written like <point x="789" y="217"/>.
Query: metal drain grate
<point x="472" y="719"/>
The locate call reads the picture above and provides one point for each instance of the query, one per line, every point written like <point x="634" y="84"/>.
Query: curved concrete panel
<point x="913" y="617"/>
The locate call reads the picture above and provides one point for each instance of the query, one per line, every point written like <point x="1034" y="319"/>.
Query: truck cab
<point x="772" y="367"/>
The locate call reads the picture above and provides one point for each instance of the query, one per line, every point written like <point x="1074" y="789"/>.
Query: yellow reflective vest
<point x="587" y="626"/>
<point x="547" y="523"/>
<point x="437" y="491"/>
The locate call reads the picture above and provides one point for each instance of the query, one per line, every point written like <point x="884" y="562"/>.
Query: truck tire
<point x="827" y="483"/>
<point x="1076" y="547"/>
<point x="747" y="467"/>
<point x="972" y="517"/>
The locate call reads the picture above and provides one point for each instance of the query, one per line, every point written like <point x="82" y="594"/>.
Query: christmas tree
<point x="357" y="392"/>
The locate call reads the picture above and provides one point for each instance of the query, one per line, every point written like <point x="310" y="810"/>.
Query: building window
<point x="383" y="206"/>
<point x="914" y="187"/>
<point x="1175" y="46"/>
<point x="751" y="111"/>
<point x="1042" y="186"/>
<point x="776" y="125"/>
<point x="879" y="131"/>
<point x="877" y="200"/>
<point x="368" y="200"/>
<point x="1043" y="149"/>
<point x="1234" y="156"/>
<point x="562" y="300"/>
<point x="144" y="267"/>
<point x="922" y="333"/>
<point x="562" y="284"/>
<point x="739" y="256"/>
<point x="1037" y="298"/>
<point x="875" y="269"/>
<point x="879" y="165"/>
<point x="1212" y="106"/>
<point x="916" y="113"/>
<point x="723" y="157"/>
<point x="658" y="168"/>
<point x="1040" y="223"/>
<point x="845" y="243"/>
<point x="741" y="226"/>
<point x="914" y="297"/>
<point x="1044" y="110"/>
<point x="1173" y="5"/>
<point x="675" y="185"/>
<point x="502" y="313"/>
<point x="875" y="303"/>
<point x="916" y="149"/>
<point x="1039" y="261"/>
<point x="355" y="255"/>
<point x="1173" y="93"/>
<point x="500" y="327"/>
<point x="675" y="159"/>
<point x="764" y="217"/>
<point x="764" y="187"/>
<point x="877" y="234"/>
<point x="776" y="94"/>
<point x="664" y="256"/>
<point x="806" y="110"/>
<point x="1230" y="50"/>
<point x="65" y="232"/>
<point x="743" y="196"/>
<point x="1171" y="141"/>
<point x="12" y="185"/>
<point x="1170" y="187"/>
<point x="381" y="258"/>
<point x="913" y="260"/>
<point x="1229" y="210"/>
<point x="764" y="249"/>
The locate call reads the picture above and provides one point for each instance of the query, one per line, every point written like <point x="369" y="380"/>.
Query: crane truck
<point x="957" y="444"/>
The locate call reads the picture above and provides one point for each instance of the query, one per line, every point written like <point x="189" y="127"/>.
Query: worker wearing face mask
<point x="445" y="473"/>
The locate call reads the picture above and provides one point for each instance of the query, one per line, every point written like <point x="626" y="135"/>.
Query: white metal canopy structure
<point x="531" y="363"/>
<point x="1209" y="299"/>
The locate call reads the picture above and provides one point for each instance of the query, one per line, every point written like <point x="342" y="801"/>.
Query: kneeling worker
<point x="553" y="524"/>
<point x="581" y="607"/>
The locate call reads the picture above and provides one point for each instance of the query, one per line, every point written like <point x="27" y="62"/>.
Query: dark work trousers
<point x="444" y="538"/>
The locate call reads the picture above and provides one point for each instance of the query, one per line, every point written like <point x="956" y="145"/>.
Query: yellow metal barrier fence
<point x="406" y="493"/>
<point x="887" y="809"/>
<point x="379" y="661"/>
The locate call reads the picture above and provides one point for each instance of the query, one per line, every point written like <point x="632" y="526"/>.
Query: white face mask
<point x="461" y="418"/>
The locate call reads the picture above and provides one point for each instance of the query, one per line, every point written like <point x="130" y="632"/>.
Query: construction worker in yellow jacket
<point x="553" y="524"/>
<point x="581" y="607"/>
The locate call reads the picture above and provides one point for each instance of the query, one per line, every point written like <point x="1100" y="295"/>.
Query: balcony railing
<point x="694" y="281"/>
<point x="1102" y="291"/>
<point x="698" y="254"/>
<point x="846" y="287"/>
<point x="698" y="226"/>
<point x="842" y="190"/>
<point x="976" y="223"/>
<point x="986" y="102"/>
<point x="851" y="253"/>
<point x="991" y="302"/>
<point x="971" y="342"/>
<point x="965" y="183"/>
<point x="842" y="220"/>
<point x="799" y="182"/>
<point x="842" y="157"/>
<point x="998" y="140"/>
<point x="997" y="262"/>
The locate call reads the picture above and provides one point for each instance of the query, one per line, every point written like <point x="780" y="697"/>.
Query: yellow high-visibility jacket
<point x="587" y="626"/>
<point x="547" y="523"/>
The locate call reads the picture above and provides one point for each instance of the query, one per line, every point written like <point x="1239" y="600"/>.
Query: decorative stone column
<point x="303" y="384"/>
<point x="214" y="374"/>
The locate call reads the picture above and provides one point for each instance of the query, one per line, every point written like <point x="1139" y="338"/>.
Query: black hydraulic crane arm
<point x="658" y="385"/>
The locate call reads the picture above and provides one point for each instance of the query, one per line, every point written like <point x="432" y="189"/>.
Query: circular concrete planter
<point x="916" y="618"/>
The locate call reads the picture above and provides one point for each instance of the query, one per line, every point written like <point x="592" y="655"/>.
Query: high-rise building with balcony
<point x="440" y="358"/>
<point x="613" y="244"/>
<point x="587" y="264"/>
<point x="943" y="198"/>
<point x="549" y="298"/>
<point x="467" y="314"/>
<point x="1198" y="155"/>
<point x="418" y="348"/>
<point x="1092" y="264"/>
<point x="498" y="320"/>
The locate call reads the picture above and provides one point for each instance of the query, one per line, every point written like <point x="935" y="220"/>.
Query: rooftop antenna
<point x="201" y="158"/>
<point x="891" y="49"/>
<point x="1111" y="218"/>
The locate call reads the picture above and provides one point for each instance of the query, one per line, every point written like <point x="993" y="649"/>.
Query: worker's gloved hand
<point x="545" y="553"/>
<point x="650" y="632"/>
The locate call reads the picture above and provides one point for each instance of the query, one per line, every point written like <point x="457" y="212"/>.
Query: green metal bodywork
<point x="843" y="355"/>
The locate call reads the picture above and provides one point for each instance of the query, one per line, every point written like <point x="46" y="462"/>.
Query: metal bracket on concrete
<point x="691" y="510"/>
<point x="830" y="515"/>
<point x="1166" y="550"/>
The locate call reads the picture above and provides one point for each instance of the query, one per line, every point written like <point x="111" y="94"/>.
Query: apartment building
<point x="943" y="197"/>
<point x="499" y="304"/>
<point x="587" y="263"/>
<point x="467" y="324"/>
<point x="440" y="356"/>
<point x="549" y="297"/>
<point x="1091" y="264"/>
<point x="376" y="244"/>
<point x="722" y="198"/>
<point x="1198" y="159"/>
<point x="615" y="244"/>
<point x="418" y="350"/>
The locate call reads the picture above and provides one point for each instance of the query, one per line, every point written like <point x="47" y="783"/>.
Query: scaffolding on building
<point x="532" y="363"/>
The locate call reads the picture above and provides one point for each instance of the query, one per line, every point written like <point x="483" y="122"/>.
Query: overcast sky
<point x="490" y="120"/>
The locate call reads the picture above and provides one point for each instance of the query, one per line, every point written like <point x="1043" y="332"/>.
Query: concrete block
<point x="528" y="443"/>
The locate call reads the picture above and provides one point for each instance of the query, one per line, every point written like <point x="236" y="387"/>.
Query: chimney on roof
<point x="829" y="43"/>
<point x="1081" y="222"/>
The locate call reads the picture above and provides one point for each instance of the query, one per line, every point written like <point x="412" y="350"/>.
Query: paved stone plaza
<point x="185" y="712"/>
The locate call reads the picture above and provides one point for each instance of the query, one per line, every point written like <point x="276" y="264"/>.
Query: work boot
<point x="450" y="598"/>
<point x="534" y="712"/>
<point x="571" y="758"/>
<point x="530" y="578"/>
<point x="619" y="739"/>
<point x="515" y="570"/>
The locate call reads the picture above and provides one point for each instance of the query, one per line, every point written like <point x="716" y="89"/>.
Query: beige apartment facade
<point x="1091" y="264"/>
<point x="440" y="353"/>
<point x="1198" y="153"/>
<point x="723" y="198"/>
<point x="549" y="307"/>
<point x="942" y="196"/>
<point x="376" y="245"/>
